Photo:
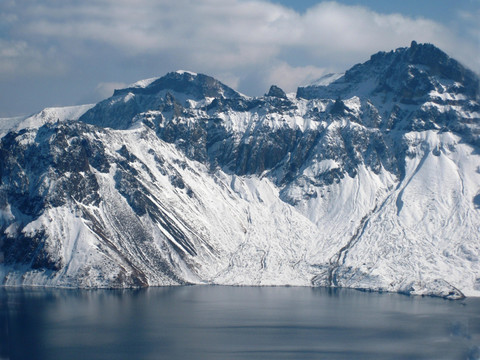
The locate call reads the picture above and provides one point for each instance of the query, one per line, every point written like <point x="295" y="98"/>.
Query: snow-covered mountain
<point x="47" y="115"/>
<point x="369" y="180"/>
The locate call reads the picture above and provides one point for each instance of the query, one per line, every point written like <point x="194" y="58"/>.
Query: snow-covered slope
<point x="47" y="115"/>
<point x="125" y="209"/>
<point x="371" y="182"/>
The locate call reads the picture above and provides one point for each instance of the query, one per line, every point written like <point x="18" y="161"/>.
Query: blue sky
<point x="69" y="52"/>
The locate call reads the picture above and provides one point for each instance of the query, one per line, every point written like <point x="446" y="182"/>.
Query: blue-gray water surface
<point x="215" y="322"/>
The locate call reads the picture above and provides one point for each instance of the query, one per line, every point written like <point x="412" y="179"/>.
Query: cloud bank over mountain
<point x="246" y="44"/>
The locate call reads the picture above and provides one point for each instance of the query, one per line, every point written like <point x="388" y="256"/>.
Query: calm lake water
<point x="214" y="322"/>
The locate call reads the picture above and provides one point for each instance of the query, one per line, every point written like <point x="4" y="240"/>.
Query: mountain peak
<point x="435" y="62"/>
<point x="147" y="82"/>
<point x="118" y="111"/>
<point x="181" y="81"/>
<point x="275" y="91"/>
<point x="407" y="73"/>
<point x="182" y="72"/>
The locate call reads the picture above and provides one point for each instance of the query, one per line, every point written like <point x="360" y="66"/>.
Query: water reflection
<point x="213" y="322"/>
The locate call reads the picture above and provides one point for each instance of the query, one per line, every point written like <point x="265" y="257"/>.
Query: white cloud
<point x="106" y="89"/>
<point x="289" y="77"/>
<point x="249" y="43"/>
<point x="355" y="31"/>
<point x="470" y="28"/>
<point x="19" y="57"/>
<point x="229" y="33"/>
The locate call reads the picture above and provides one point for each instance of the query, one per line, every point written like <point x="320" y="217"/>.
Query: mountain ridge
<point x="181" y="179"/>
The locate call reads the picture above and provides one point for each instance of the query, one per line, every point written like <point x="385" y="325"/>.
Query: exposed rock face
<point x="369" y="182"/>
<point x="414" y="88"/>
<point x="159" y="94"/>
<point x="275" y="91"/>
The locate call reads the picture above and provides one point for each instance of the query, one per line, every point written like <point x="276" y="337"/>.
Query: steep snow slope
<point x="371" y="181"/>
<point x="149" y="216"/>
<point x="422" y="235"/>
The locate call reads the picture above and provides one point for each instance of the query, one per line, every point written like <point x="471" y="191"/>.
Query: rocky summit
<point x="368" y="181"/>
